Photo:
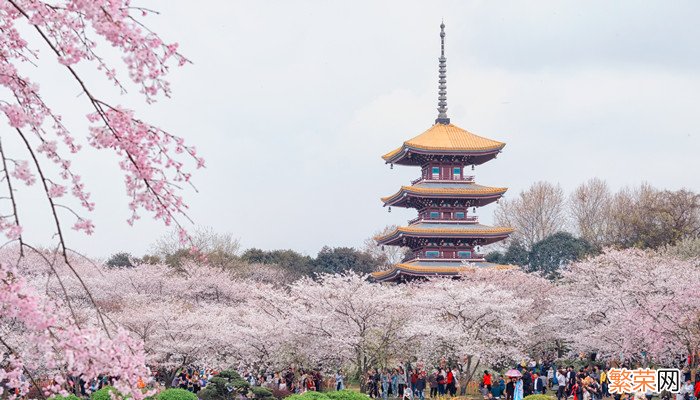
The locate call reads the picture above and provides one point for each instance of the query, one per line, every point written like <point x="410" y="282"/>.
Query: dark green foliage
<point x="328" y="260"/>
<point x="516" y="254"/>
<point x="494" y="257"/>
<point x="176" y="394"/>
<point x="209" y="394"/>
<point x="261" y="393"/>
<point x="225" y="386"/>
<point x="550" y="254"/>
<point x="289" y="260"/>
<point x="120" y="260"/>
<point x="310" y="395"/>
<point x="103" y="394"/>
<point x="346" y="395"/>
<point x="340" y="259"/>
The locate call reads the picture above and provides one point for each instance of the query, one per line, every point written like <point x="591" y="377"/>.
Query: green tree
<point x="550" y="254"/>
<point x="227" y="385"/>
<point x="295" y="263"/>
<point x="494" y="257"/>
<point x="340" y="259"/>
<point x="120" y="260"/>
<point x="516" y="254"/>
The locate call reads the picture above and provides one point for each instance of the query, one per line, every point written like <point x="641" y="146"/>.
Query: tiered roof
<point x="482" y="194"/>
<point x="489" y="234"/>
<point x="445" y="140"/>
<point x="425" y="268"/>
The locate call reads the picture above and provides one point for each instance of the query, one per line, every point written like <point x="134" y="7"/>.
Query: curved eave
<point x="399" y="154"/>
<point x="443" y="193"/>
<point x="493" y="233"/>
<point x="409" y="270"/>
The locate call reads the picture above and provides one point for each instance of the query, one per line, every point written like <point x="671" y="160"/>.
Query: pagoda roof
<point x="433" y="268"/>
<point x="444" y="190"/>
<point x="446" y="139"/>
<point x="445" y="230"/>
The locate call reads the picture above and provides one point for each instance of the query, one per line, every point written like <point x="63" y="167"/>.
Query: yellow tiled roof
<point x="449" y="138"/>
<point x="434" y="269"/>
<point x="457" y="191"/>
<point x="480" y="230"/>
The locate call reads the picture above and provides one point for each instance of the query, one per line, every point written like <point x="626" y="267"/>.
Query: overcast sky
<point x="292" y="103"/>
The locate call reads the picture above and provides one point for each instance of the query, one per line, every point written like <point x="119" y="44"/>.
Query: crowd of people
<point x="588" y="383"/>
<point x="398" y="383"/>
<point x="192" y="379"/>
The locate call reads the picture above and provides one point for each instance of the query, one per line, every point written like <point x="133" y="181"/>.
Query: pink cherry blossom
<point x="156" y="165"/>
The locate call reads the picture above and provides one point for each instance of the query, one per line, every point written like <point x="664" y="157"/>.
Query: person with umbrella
<point x="512" y="386"/>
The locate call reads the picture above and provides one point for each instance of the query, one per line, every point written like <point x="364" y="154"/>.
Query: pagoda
<point x="444" y="239"/>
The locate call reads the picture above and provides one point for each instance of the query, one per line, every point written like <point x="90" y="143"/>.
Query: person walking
<point x="561" y="385"/>
<point x="385" y="379"/>
<point x="527" y="383"/>
<point x="487" y="380"/>
<point x="339" y="380"/>
<point x="401" y="381"/>
<point x="442" y="380"/>
<point x="510" y="388"/>
<point x="576" y="389"/>
<point x="519" y="390"/>
<point x="433" y="382"/>
<point x="450" y="381"/>
<point x="420" y="386"/>
<point x="604" y="384"/>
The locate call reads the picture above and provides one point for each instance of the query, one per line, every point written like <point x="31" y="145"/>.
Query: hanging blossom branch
<point x="153" y="162"/>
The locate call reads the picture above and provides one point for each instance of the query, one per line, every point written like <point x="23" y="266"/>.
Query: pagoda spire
<point x="442" y="92"/>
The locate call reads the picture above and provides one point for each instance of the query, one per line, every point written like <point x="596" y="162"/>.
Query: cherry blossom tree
<point x="630" y="303"/>
<point x="73" y="34"/>
<point x="485" y="318"/>
<point x="344" y="317"/>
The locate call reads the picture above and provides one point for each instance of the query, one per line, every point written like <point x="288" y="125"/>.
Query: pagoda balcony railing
<point x="476" y="257"/>
<point x="466" y="178"/>
<point x="469" y="219"/>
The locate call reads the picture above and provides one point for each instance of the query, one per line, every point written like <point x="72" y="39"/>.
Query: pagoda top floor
<point x="445" y="143"/>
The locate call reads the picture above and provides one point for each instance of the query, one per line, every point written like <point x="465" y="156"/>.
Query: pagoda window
<point x="434" y="215"/>
<point x="456" y="173"/>
<point x="464" y="254"/>
<point x="459" y="215"/>
<point x="436" y="172"/>
<point x="432" y="254"/>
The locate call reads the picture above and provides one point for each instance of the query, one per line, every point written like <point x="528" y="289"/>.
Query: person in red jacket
<point x="487" y="380"/>
<point x="451" y="388"/>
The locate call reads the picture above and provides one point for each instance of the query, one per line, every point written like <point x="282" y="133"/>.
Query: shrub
<point x="104" y="393"/>
<point x="262" y="393"/>
<point x="69" y="397"/>
<point x="346" y="395"/>
<point x="537" y="397"/>
<point x="224" y="386"/>
<point x="310" y="395"/>
<point x="208" y="394"/>
<point x="176" y="394"/>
